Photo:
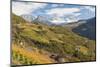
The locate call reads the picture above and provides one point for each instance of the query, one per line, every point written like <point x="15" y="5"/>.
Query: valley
<point x="40" y="43"/>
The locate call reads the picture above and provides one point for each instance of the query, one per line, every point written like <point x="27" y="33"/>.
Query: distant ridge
<point x="87" y="29"/>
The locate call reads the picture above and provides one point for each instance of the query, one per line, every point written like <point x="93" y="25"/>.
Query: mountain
<point x="87" y="29"/>
<point x="73" y="24"/>
<point x="42" y="19"/>
<point x="45" y="19"/>
<point x="28" y="17"/>
<point x="45" y="44"/>
<point x="57" y="20"/>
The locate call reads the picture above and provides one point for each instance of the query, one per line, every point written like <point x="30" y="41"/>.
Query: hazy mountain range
<point x="48" y="19"/>
<point x="82" y="27"/>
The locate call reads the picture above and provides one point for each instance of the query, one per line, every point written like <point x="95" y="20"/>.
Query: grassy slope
<point x="34" y="56"/>
<point x="43" y="39"/>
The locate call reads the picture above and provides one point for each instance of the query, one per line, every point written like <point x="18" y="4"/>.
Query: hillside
<point x="38" y="43"/>
<point x="87" y="29"/>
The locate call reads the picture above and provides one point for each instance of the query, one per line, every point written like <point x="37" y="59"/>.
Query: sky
<point x="56" y="13"/>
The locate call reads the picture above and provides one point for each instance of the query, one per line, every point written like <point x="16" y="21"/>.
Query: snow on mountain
<point x="49" y="20"/>
<point x="29" y="18"/>
<point x="57" y="20"/>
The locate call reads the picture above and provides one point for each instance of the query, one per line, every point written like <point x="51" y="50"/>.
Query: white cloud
<point x="72" y="17"/>
<point x="71" y="20"/>
<point x="54" y="5"/>
<point x="70" y="14"/>
<point x="91" y="8"/>
<point x="77" y="14"/>
<point x="58" y="20"/>
<point x="20" y="8"/>
<point x="60" y="12"/>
